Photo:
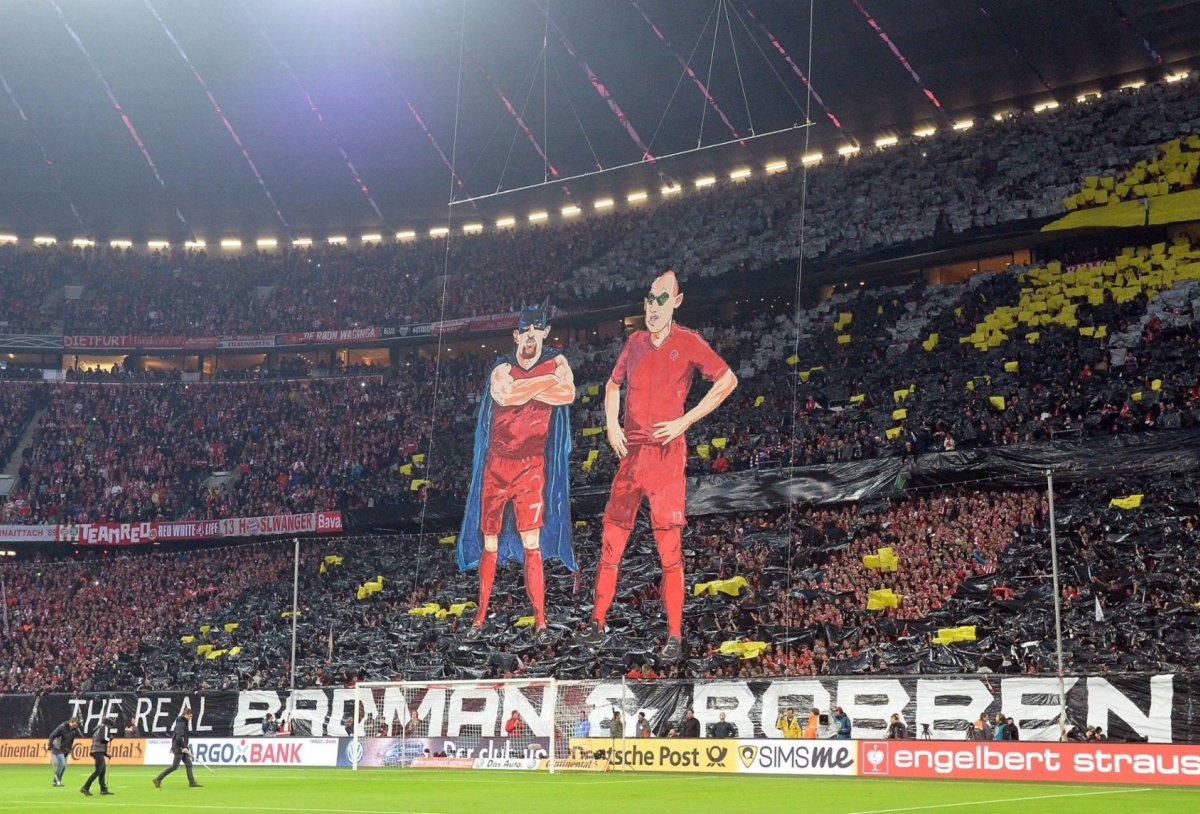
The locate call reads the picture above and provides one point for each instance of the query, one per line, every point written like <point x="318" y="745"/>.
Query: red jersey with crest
<point x="658" y="379"/>
<point x="519" y="431"/>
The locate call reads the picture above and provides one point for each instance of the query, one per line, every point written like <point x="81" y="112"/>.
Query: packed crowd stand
<point x="806" y="597"/>
<point x="999" y="172"/>
<point x="107" y="448"/>
<point x="115" y="449"/>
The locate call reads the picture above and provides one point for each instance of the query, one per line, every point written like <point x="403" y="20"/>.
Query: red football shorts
<point x="520" y="480"/>
<point x="657" y="472"/>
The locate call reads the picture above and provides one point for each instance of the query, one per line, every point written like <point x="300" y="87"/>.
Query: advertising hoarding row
<point x="1103" y="762"/>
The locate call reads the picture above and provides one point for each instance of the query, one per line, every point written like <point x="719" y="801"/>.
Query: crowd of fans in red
<point x="120" y="450"/>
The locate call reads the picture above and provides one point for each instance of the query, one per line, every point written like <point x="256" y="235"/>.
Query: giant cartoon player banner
<point x="656" y="369"/>
<point x="518" y="505"/>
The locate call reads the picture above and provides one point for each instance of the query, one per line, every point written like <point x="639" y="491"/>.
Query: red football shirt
<point x="519" y="431"/>
<point x="658" y="379"/>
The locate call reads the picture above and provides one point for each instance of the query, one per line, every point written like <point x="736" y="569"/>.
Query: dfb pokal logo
<point x="716" y="755"/>
<point x="747" y="754"/>
<point x="877" y="759"/>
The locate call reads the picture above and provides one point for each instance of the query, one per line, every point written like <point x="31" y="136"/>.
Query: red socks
<point x="487" y="574"/>
<point x="671" y="556"/>
<point x="535" y="586"/>
<point x="612" y="547"/>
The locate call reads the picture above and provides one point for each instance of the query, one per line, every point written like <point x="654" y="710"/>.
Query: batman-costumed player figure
<point x="518" y="505"/>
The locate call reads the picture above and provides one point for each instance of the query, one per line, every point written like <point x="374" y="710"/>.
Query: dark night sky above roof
<point x="369" y="66"/>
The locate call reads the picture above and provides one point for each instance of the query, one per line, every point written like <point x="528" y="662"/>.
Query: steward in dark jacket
<point x="180" y="747"/>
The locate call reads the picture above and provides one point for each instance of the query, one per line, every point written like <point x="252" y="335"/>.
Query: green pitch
<point x="27" y="789"/>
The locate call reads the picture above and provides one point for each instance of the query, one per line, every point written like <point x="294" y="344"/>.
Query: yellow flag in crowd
<point x="883" y="598"/>
<point x="745" y="650"/>
<point x="1130" y="502"/>
<point x="949" y="635"/>
<point x="731" y="587"/>
<point x="884" y="559"/>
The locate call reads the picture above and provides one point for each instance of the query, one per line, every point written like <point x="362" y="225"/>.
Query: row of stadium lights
<point x="540" y="216"/>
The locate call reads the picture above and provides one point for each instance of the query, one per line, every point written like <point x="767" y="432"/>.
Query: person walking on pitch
<point x="60" y="743"/>
<point x="105" y="732"/>
<point x="180" y="747"/>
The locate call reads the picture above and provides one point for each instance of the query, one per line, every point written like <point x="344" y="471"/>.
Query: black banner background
<point x="1128" y="707"/>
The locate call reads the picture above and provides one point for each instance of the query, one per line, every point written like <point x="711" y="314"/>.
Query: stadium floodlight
<point x="775" y="166"/>
<point x="540" y="215"/>
<point x="302" y="241"/>
<point x="505" y="223"/>
<point x="603" y="203"/>
<point x="336" y="240"/>
<point x="194" y="244"/>
<point x="83" y="242"/>
<point x="1087" y="96"/>
<point x="706" y="181"/>
<point x="739" y="174"/>
<point x="439" y="231"/>
<point x="848" y="150"/>
<point x="116" y="244"/>
<point x="407" y="234"/>
<point x="812" y="158"/>
<point x="472" y="228"/>
<point x="230" y="243"/>
<point x="158" y="244"/>
<point x="886" y="141"/>
<point x="1000" y="116"/>
<point x="45" y="240"/>
<point x="373" y="237"/>
<point x="634" y="197"/>
<point x="570" y="211"/>
<point x="671" y="189"/>
<point x="964" y="124"/>
<point x="8" y="238"/>
<point x="266" y="243"/>
<point x="1044" y="106"/>
<point x="1134" y="85"/>
<point x="925" y="132"/>
<point x="1178" y="76"/>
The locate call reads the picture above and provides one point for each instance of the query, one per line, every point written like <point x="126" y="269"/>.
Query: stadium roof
<point x="157" y="118"/>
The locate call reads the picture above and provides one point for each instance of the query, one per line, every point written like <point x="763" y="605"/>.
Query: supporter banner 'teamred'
<point x="170" y="531"/>
<point x="1102" y="762"/>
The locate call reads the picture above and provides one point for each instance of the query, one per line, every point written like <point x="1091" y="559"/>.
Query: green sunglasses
<point x="658" y="299"/>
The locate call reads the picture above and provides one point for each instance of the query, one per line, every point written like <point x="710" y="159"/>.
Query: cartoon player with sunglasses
<point x="518" y="504"/>
<point x="656" y="367"/>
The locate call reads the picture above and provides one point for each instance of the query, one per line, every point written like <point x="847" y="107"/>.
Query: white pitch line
<point x="1001" y="800"/>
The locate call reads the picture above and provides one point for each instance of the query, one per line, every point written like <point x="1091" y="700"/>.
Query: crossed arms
<point x="555" y="389"/>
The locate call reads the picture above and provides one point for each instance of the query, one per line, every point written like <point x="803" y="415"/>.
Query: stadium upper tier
<point x="999" y="172"/>
<point x="1100" y="348"/>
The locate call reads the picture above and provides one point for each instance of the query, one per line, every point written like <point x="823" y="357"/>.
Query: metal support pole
<point x="295" y="605"/>
<point x="1058" y="646"/>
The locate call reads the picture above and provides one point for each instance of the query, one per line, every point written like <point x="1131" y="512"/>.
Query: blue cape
<point x="555" y="538"/>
